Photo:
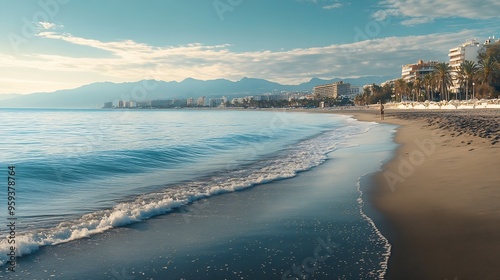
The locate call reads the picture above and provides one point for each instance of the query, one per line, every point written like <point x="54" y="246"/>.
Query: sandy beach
<point x="440" y="194"/>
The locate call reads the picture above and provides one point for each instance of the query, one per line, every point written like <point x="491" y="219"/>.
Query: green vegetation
<point x="467" y="74"/>
<point x="374" y="94"/>
<point x="303" y="103"/>
<point x="443" y="76"/>
<point x="480" y="79"/>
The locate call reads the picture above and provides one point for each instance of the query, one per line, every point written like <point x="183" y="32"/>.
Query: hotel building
<point x="468" y="51"/>
<point x="411" y="72"/>
<point x="333" y="90"/>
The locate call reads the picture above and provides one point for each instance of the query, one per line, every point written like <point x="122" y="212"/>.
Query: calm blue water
<point x="82" y="172"/>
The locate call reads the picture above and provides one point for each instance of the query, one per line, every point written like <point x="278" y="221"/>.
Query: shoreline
<point x="438" y="196"/>
<point x="439" y="216"/>
<point x="307" y="226"/>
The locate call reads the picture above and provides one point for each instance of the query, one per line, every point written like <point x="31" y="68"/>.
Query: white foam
<point x="388" y="247"/>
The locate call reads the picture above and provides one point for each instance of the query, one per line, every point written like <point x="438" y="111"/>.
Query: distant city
<point x="282" y="99"/>
<point x="412" y="81"/>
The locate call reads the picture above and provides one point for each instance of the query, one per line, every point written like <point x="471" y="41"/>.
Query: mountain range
<point x="96" y="94"/>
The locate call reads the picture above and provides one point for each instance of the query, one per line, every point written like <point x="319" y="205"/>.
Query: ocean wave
<point x="96" y="165"/>
<point x="286" y="164"/>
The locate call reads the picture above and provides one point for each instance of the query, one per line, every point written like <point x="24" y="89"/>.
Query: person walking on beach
<point x="381" y="110"/>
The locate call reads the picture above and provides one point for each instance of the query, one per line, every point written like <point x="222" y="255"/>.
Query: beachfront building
<point x="411" y="72"/>
<point x="190" y="102"/>
<point x="270" y="97"/>
<point x="388" y="82"/>
<point x="355" y="90"/>
<point x="333" y="90"/>
<point x="468" y="51"/>
<point x="127" y="104"/>
<point x="108" y="105"/>
<point x="217" y="102"/>
<point x="201" y="101"/>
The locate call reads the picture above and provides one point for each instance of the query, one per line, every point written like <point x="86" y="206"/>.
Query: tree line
<point x="475" y="80"/>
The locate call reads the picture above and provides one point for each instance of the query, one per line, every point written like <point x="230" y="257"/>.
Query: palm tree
<point x="417" y="86"/>
<point x="434" y="84"/>
<point x="443" y="75"/>
<point x="359" y="100"/>
<point x="409" y="89"/>
<point x="400" y="88"/>
<point x="488" y="69"/>
<point x="427" y="83"/>
<point x="467" y="73"/>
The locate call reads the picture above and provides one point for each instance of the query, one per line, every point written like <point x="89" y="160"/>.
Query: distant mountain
<point x="8" y="96"/>
<point x="96" y="94"/>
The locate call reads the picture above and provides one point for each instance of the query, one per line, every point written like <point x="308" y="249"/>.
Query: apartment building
<point x="411" y="72"/>
<point x="468" y="51"/>
<point x="333" y="90"/>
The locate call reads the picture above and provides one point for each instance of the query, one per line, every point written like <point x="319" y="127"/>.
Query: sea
<point x="82" y="175"/>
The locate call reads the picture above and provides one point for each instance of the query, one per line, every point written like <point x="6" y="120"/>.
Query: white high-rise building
<point x="468" y="51"/>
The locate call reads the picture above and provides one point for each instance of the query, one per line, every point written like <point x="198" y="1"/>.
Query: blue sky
<point x="46" y="45"/>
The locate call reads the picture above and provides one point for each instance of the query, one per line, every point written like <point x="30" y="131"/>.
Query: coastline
<point x="308" y="226"/>
<point x="439" y="226"/>
<point x="439" y="194"/>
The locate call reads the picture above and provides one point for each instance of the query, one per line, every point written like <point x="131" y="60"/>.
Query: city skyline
<point x="61" y="44"/>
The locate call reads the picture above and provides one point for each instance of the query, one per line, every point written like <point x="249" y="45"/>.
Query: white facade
<point x="333" y="90"/>
<point x="411" y="72"/>
<point x="468" y="51"/>
<point x="355" y="90"/>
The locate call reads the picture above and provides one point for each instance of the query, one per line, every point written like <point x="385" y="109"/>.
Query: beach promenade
<point x="440" y="193"/>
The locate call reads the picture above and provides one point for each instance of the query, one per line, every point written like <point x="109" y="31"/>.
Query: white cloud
<point x="384" y="14"/>
<point x="42" y="25"/>
<point x="423" y="11"/>
<point x="326" y="4"/>
<point x="416" y="21"/>
<point x="333" y="6"/>
<point x="132" y="61"/>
